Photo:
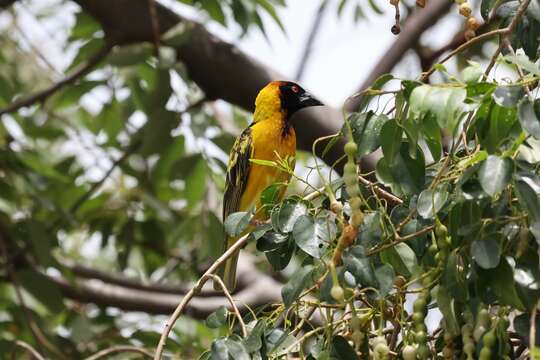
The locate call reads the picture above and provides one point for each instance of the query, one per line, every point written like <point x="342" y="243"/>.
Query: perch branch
<point x="119" y="349"/>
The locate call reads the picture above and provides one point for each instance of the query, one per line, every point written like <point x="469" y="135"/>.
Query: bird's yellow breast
<point x="270" y="142"/>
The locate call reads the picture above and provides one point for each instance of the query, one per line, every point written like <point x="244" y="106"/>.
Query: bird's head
<point x="282" y="97"/>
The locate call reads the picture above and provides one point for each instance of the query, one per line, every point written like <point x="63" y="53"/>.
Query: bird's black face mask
<point x="294" y="98"/>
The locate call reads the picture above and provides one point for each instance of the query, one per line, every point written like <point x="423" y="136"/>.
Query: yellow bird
<point x="269" y="137"/>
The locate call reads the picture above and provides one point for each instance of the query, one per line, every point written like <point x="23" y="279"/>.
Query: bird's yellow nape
<point x="268" y="102"/>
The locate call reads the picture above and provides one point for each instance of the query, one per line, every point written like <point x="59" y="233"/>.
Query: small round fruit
<point x="469" y="347"/>
<point x="419" y="305"/>
<point x="472" y="23"/>
<point x="408" y="352"/>
<point x="478" y="332"/>
<point x="465" y="9"/>
<point x="378" y="340"/>
<point x="483" y="317"/>
<point x="485" y="354"/>
<point x="337" y="293"/>
<point x="423" y="351"/>
<point x="399" y="281"/>
<point x="357" y="219"/>
<point x="355" y="202"/>
<point x="381" y="349"/>
<point x="351" y="148"/>
<point x="421" y="337"/>
<point x="350" y="168"/>
<point x="336" y="207"/>
<point x="467" y="330"/>
<point x="418" y="317"/>
<point x="489" y="338"/>
<point x="441" y="230"/>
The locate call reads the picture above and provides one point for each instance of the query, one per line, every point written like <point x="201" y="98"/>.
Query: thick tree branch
<point x="220" y="69"/>
<point x="260" y="290"/>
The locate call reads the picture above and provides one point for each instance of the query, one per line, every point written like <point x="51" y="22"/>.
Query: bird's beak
<point x="306" y="100"/>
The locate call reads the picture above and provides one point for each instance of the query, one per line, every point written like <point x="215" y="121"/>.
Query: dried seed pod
<point x="465" y="9"/>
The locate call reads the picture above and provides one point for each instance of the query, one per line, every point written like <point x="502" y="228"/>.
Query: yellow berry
<point x="337" y="293"/>
<point x="472" y="23"/>
<point x="350" y="149"/>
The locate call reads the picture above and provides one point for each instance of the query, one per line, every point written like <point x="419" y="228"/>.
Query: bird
<point x="269" y="137"/>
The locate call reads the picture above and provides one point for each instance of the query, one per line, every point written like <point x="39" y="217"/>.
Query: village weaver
<point x="270" y="137"/>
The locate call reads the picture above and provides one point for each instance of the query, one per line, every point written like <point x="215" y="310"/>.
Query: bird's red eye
<point x="295" y="89"/>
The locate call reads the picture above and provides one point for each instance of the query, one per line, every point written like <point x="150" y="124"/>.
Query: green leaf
<point x="356" y="262"/>
<point x="431" y="133"/>
<point x="494" y="174"/>
<point x="524" y="62"/>
<point x="219" y="349"/>
<point x="454" y="277"/>
<point x="314" y="235"/>
<point x="528" y="198"/>
<point x="486" y="253"/>
<point x="406" y="176"/>
<point x="237" y="350"/>
<point x="495" y="125"/>
<point x="43" y="289"/>
<point x="236" y="223"/>
<point x="446" y="305"/>
<point x="217" y="319"/>
<point x="508" y="96"/>
<point x="472" y="73"/>
<point x="485" y="7"/>
<point x="385" y="278"/>
<point x="431" y="201"/>
<point x="366" y="130"/>
<point x="254" y="340"/>
<point x="402" y="258"/>
<point x="301" y="280"/>
<point x="289" y="213"/>
<point x="500" y="281"/>
<point x="445" y="103"/>
<point x="529" y="116"/>
<point x="213" y="8"/>
<point x="391" y="134"/>
<point x="341" y="350"/>
<point x="277" y="341"/>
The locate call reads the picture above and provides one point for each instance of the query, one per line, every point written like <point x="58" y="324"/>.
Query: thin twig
<point x="462" y="47"/>
<point x="41" y="96"/>
<point x="30" y="349"/>
<point x="120" y="349"/>
<point x="400" y="239"/>
<point x="532" y="329"/>
<point x="381" y="192"/>
<point x="195" y="290"/>
<point x="507" y="31"/>
<point x="218" y="280"/>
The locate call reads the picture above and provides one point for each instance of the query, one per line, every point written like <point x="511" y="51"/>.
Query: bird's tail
<point x="227" y="271"/>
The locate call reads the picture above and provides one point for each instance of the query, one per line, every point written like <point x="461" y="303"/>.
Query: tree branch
<point x="220" y="69"/>
<point x="44" y="94"/>
<point x="260" y="290"/>
<point x="120" y="349"/>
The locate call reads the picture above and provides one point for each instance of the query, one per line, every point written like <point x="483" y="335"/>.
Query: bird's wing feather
<point x="237" y="172"/>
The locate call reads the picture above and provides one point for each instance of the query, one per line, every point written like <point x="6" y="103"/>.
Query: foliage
<point x="121" y="170"/>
